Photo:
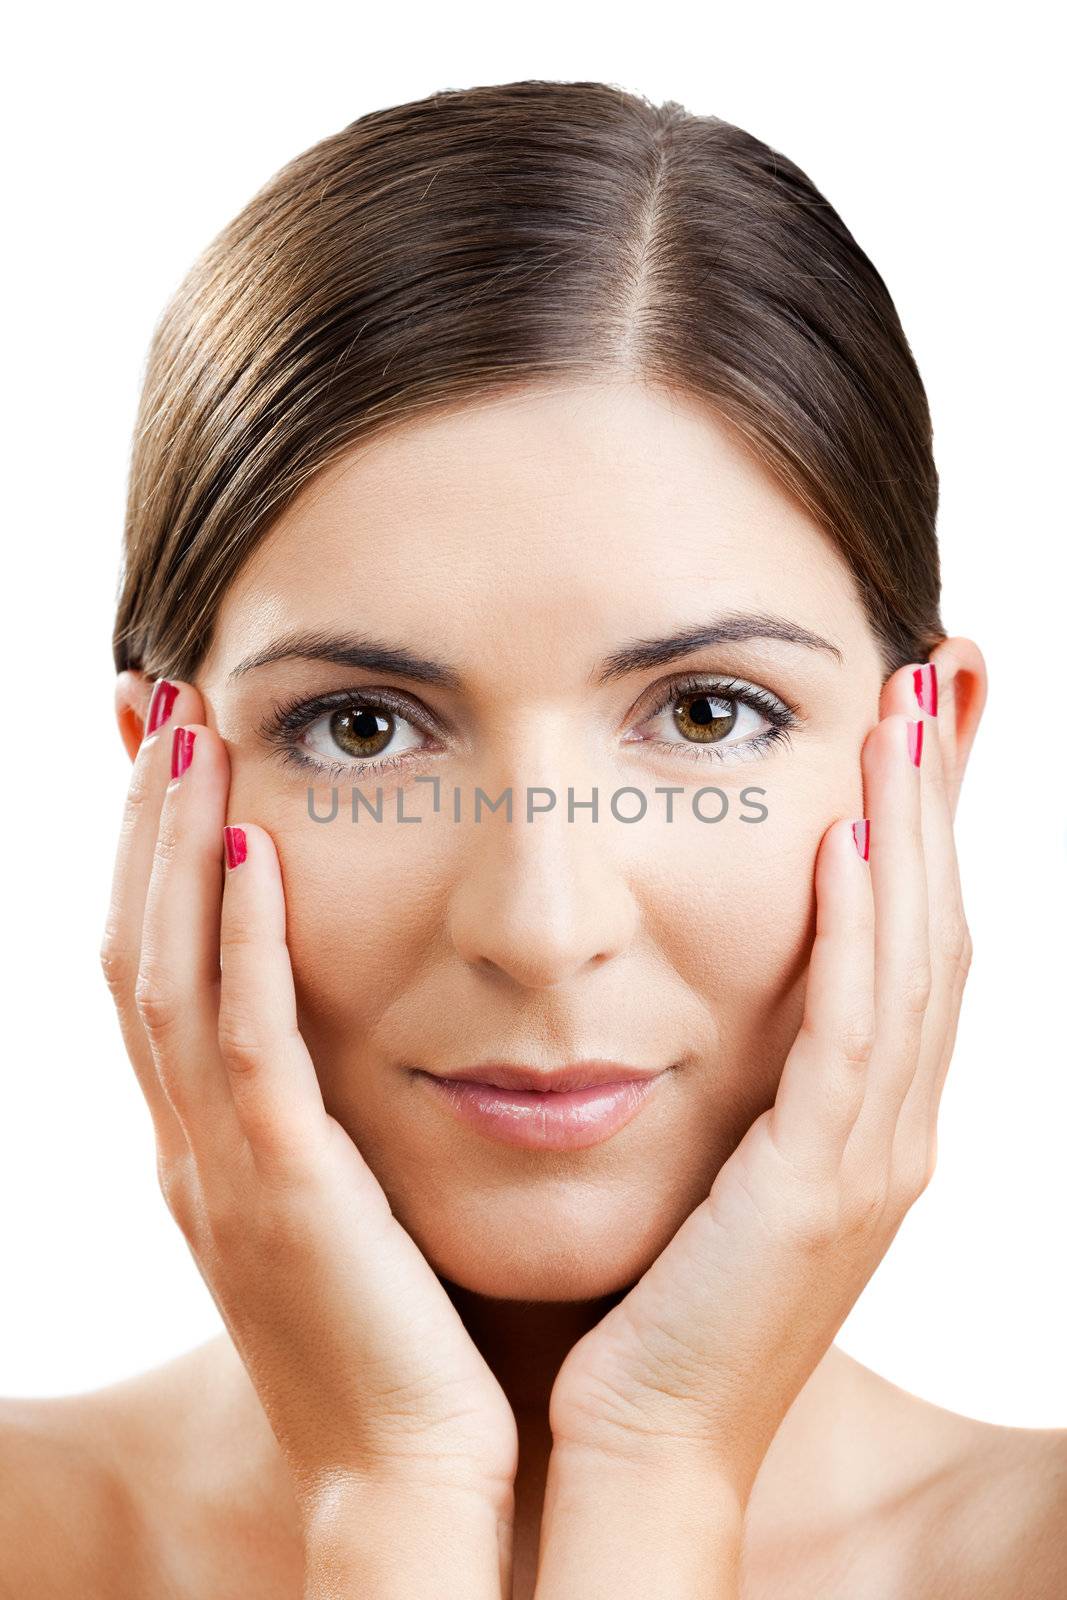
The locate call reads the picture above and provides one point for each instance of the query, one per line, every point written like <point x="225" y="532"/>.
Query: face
<point x="529" y="546"/>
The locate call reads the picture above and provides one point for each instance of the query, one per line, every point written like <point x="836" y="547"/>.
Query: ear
<point x="962" y="686"/>
<point x="133" y="690"/>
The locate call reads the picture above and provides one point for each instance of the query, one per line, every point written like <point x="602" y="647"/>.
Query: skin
<point x="546" y="941"/>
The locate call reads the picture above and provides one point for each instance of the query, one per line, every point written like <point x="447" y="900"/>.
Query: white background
<point x="132" y="137"/>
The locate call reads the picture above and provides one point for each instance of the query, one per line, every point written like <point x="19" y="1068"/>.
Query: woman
<point x="533" y="442"/>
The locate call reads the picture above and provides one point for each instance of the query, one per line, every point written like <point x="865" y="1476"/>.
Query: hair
<point x="443" y="251"/>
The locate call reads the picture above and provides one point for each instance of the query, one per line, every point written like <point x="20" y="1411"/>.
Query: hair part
<point x="440" y="252"/>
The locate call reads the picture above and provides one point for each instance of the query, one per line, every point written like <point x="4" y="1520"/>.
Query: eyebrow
<point x="342" y="650"/>
<point x="732" y="628"/>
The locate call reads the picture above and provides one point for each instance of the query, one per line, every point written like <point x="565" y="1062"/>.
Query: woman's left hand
<point x="701" y="1360"/>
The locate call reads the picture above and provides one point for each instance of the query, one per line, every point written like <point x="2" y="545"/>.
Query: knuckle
<point x="856" y="1040"/>
<point x="238" y="933"/>
<point x="816" y="1219"/>
<point x="225" y="1224"/>
<point x="917" y="1173"/>
<point x="954" y="938"/>
<point x="169" y="830"/>
<point x="157" y="1003"/>
<point x="866" y="1206"/>
<point x="173" y="1176"/>
<point x="908" y="1185"/>
<point x="116" y="965"/>
<point x="930" y="1164"/>
<point x="252" y="1220"/>
<point x="917" y="986"/>
<point x="966" y="950"/>
<point x="241" y="1042"/>
<point x="910" y="1176"/>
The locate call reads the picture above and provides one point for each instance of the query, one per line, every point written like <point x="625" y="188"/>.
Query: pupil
<point x="698" y="711"/>
<point x="355" y="729"/>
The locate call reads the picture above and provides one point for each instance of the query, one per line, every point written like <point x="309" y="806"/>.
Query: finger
<point x="901" y="937"/>
<point x="120" y="950"/>
<point x="949" y="942"/>
<point x="823" y="1083"/>
<point x="178" y="984"/>
<point x="938" y="1081"/>
<point x="272" y="1077"/>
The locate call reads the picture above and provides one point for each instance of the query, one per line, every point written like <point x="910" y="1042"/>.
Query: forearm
<point x="615" y="1531"/>
<point x="387" y="1543"/>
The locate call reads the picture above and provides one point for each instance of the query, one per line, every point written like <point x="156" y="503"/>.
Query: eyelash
<point x="290" y="718"/>
<point x="784" y="718"/>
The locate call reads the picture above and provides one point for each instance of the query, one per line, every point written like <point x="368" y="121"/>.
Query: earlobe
<point x="133" y="690"/>
<point x="963" y="684"/>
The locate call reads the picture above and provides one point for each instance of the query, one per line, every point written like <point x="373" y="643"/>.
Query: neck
<point x="525" y="1342"/>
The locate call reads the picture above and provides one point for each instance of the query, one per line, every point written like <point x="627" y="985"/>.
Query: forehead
<point x="564" y="516"/>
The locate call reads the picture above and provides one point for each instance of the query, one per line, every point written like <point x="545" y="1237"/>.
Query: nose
<point x="540" y="902"/>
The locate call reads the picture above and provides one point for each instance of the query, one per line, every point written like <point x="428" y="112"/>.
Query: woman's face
<point x="532" y="547"/>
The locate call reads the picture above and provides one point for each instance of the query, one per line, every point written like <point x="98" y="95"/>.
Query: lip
<point x="573" y="1107"/>
<point x="575" y="1075"/>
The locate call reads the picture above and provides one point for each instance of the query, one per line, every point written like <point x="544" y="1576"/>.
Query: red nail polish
<point x="861" y="837"/>
<point x="181" y="750"/>
<point x="915" y="741"/>
<point x="236" y="845"/>
<point x="160" y="706"/>
<point x="925" y="681"/>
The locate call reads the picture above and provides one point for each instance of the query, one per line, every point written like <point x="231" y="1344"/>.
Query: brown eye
<point x="705" y="718"/>
<point x="362" y="732"/>
<point x="360" y="735"/>
<point x="719" y="721"/>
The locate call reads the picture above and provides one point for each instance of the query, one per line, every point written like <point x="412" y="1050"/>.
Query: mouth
<point x="566" y="1108"/>
<point x="590" y="1074"/>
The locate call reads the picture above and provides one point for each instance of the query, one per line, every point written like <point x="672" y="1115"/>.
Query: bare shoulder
<point x="1004" y="1509"/>
<point x="872" y="1491"/>
<point x="989" y="1522"/>
<point x="168" y="1483"/>
<point x="986" y="1521"/>
<point x="67" y="1525"/>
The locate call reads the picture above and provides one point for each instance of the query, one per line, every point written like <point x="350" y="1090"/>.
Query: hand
<point x="363" y="1365"/>
<point x="704" y="1356"/>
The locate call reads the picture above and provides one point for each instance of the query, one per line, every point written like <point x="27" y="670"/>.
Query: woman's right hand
<point x="362" y="1363"/>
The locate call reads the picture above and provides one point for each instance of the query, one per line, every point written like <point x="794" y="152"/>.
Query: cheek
<point x="733" y="909"/>
<point x="733" y="902"/>
<point x="362" y="912"/>
<point x="726" y="913"/>
<point x="726" y="916"/>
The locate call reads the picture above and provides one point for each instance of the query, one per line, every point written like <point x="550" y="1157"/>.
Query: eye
<point x="349" y="731"/>
<point x="718" y="720"/>
<point x="363" y="732"/>
<point x="360" y="733"/>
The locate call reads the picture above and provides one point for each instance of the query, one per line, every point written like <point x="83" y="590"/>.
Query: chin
<point x="541" y="1251"/>
<point x="533" y="1278"/>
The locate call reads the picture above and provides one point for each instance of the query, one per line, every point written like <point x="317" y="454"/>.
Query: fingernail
<point x="160" y="705"/>
<point x="915" y="741"/>
<point x="181" y="750"/>
<point x="861" y="837"/>
<point x="925" y="681"/>
<point x="236" y="845"/>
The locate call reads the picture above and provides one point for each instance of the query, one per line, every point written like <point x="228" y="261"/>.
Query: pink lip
<point x="574" y="1075"/>
<point x="566" y="1119"/>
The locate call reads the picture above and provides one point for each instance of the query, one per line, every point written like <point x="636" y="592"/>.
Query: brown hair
<point x="481" y="239"/>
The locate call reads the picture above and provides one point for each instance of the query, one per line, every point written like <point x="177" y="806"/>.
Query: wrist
<point x="615" y="1525"/>
<point x="689" y="1464"/>
<point x="397" y="1538"/>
